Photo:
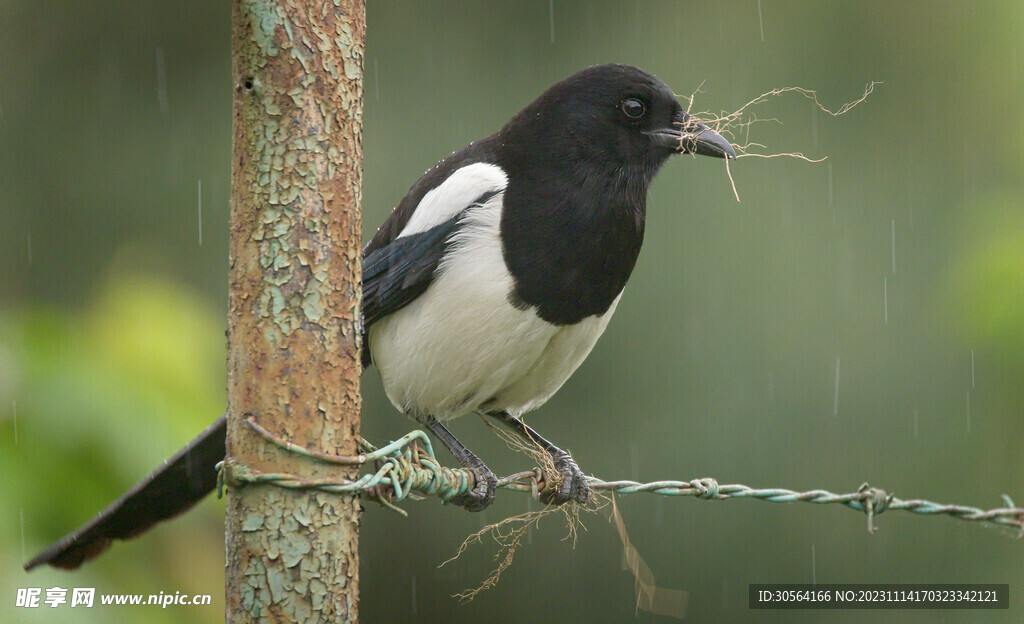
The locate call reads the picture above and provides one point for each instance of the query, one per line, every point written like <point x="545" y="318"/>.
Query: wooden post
<point x="293" y="342"/>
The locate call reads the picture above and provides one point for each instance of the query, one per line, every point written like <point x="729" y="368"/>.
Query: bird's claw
<point x="481" y="495"/>
<point x="573" y="486"/>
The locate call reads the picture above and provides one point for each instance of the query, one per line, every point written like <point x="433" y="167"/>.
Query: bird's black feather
<point x="182" y="481"/>
<point x="397" y="273"/>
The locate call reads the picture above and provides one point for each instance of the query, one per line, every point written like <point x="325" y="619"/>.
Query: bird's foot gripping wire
<point x="481" y="494"/>
<point x="569" y="485"/>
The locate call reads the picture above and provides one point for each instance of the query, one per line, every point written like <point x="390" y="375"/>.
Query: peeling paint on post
<point x="294" y="289"/>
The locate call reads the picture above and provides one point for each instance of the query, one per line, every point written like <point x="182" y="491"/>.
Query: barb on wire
<point x="407" y="467"/>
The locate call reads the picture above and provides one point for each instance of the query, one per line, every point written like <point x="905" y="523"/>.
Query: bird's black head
<point x="579" y="160"/>
<point x="618" y="117"/>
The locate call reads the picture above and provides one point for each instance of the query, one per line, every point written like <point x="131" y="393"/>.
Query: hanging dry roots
<point x="736" y="125"/>
<point x="509" y="533"/>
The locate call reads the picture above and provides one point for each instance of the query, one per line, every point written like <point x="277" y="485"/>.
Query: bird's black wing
<point x="479" y="151"/>
<point x="398" y="272"/>
<point x="176" y="486"/>
<point x="395" y="274"/>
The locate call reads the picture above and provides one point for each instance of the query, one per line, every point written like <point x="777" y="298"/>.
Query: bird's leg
<point x="482" y="493"/>
<point x="574" y="483"/>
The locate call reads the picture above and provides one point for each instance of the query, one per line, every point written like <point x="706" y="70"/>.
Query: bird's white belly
<point x="461" y="346"/>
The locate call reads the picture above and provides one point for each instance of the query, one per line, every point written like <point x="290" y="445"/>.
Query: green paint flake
<point x="277" y="301"/>
<point x="271" y="547"/>
<point x="272" y="335"/>
<point x="293" y="548"/>
<point x="279" y="279"/>
<point x="248" y="596"/>
<point x="292" y="194"/>
<point x="252" y="592"/>
<point x="318" y="593"/>
<point x="274" y="520"/>
<point x="288" y="31"/>
<point x="301" y="513"/>
<point x="344" y="38"/>
<point x="300" y="611"/>
<point x="264" y="303"/>
<point x="252" y="522"/>
<point x="311" y="306"/>
<point x="301" y="58"/>
<point x="278" y="584"/>
<point x="309" y="570"/>
<point x="331" y="68"/>
<point x="265" y="30"/>
<point x="353" y="69"/>
<point x="267" y="255"/>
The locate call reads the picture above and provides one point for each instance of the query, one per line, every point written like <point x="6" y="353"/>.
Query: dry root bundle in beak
<point x="736" y="125"/>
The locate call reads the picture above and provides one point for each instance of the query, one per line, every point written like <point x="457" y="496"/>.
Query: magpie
<point x="488" y="285"/>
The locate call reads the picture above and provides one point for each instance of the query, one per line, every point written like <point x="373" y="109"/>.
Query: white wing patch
<point x="454" y="194"/>
<point x="461" y="346"/>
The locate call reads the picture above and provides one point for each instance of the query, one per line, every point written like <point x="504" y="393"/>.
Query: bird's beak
<point x="690" y="137"/>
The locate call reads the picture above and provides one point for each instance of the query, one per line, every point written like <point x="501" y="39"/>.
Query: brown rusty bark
<point x="294" y="290"/>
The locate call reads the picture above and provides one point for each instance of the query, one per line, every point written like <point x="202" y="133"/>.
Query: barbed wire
<point x="407" y="468"/>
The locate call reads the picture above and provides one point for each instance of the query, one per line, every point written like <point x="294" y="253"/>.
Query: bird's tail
<point x="181" y="482"/>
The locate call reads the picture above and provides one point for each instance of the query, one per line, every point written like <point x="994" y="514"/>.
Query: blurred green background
<point x="896" y="266"/>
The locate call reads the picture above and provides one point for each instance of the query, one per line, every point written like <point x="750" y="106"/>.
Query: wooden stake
<point x="293" y="343"/>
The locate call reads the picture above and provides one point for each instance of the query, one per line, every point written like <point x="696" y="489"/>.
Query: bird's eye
<point x="633" y="108"/>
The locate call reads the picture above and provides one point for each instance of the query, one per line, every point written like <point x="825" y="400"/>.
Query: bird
<point x="487" y="286"/>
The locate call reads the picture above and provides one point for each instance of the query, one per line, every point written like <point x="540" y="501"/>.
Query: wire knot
<point x="875" y="501"/>
<point x="234" y="474"/>
<point x="414" y="470"/>
<point x="705" y="488"/>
